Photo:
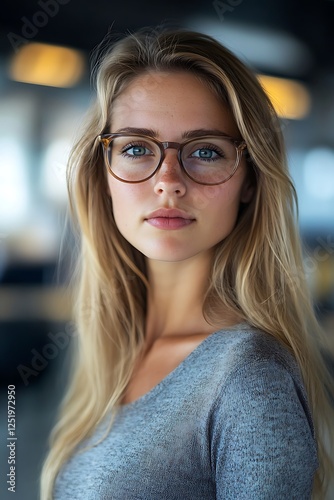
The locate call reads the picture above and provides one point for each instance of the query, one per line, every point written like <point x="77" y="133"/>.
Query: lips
<point x="169" y="218"/>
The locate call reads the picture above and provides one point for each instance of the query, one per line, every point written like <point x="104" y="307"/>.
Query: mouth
<point x="169" y="218"/>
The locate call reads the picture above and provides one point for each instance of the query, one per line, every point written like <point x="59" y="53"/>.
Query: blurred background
<point x="45" y="90"/>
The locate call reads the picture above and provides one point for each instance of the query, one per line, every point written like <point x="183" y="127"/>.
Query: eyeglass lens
<point x="208" y="160"/>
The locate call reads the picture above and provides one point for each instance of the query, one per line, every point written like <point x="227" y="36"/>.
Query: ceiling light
<point x="290" y="99"/>
<point x="50" y="65"/>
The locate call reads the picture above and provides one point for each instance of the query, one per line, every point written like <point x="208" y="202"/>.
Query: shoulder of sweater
<point x="253" y="360"/>
<point x="246" y="345"/>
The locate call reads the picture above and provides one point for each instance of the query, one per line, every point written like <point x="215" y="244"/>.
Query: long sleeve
<point x="262" y="438"/>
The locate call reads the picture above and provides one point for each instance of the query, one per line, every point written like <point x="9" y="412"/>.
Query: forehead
<point x="171" y="102"/>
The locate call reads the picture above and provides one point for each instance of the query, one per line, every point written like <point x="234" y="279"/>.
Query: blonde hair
<point x="257" y="271"/>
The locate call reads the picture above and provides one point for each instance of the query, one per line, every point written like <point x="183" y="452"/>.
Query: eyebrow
<point x="190" y="134"/>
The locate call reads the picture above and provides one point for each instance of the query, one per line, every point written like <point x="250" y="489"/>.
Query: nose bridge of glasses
<point x="170" y="145"/>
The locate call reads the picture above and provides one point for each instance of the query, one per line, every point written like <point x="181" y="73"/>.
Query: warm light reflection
<point x="50" y="65"/>
<point x="291" y="99"/>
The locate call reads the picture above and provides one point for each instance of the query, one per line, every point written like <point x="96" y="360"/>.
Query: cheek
<point x="118" y="199"/>
<point x="221" y="211"/>
<point x="125" y="201"/>
<point x="221" y="199"/>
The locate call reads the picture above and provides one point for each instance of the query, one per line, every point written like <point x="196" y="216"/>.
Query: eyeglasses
<point x="207" y="160"/>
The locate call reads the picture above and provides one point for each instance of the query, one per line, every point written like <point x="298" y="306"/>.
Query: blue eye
<point x="137" y="151"/>
<point x="205" y="153"/>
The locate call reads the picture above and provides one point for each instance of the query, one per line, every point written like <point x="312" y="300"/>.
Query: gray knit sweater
<point x="230" y="422"/>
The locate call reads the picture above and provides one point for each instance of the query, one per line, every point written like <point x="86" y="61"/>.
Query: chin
<point x="175" y="255"/>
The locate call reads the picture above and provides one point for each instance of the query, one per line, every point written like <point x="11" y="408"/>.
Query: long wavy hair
<point x="257" y="271"/>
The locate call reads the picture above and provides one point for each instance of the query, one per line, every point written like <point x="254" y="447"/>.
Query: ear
<point x="247" y="190"/>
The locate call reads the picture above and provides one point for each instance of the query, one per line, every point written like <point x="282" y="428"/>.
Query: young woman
<point x="198" y="373"/>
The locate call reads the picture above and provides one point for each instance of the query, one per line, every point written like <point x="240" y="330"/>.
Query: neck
<point x="175" y="301"/>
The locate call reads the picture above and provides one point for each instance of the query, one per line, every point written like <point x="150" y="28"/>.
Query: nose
<point x="170" y="178"/>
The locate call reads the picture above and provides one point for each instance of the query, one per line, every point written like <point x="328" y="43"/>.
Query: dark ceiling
<point x="82" y="24"/>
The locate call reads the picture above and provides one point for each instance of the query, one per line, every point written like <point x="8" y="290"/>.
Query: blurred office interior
<point x="45" y="58"/>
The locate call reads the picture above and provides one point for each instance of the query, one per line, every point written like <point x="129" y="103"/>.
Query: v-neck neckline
<point x="182" y="365"/>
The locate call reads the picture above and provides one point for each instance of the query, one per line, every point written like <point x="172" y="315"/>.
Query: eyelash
<point x="211" y="148"/>
<point x="129" y="146"/>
